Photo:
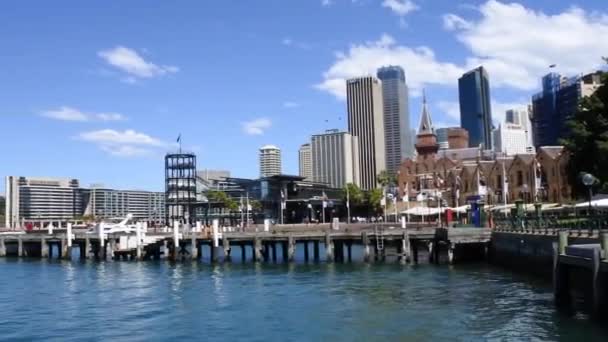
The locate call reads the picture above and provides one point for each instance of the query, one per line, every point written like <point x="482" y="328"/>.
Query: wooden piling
<point x="194" y="245"/>
<point x="226" y="245"/>
<point x="44" y="248"/>
<point x="2" y="248"/>
<point x="315" y="250"/>
<point x="349" y="250"/>
<point x="329" y="248"/>
<point x="19" y="247"/>
<point x="305" y="251"/>
<point x="366" y="247"/>
<point x="273" y="246"/>
<point x="87" y="248"/>
<point x="257" y="250"/>
<point x="291" y="249"/>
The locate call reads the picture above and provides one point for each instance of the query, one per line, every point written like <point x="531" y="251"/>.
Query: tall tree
<point x="587" y="142"/>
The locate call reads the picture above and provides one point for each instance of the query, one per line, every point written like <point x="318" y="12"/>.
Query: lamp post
<point x="589" y="180"/>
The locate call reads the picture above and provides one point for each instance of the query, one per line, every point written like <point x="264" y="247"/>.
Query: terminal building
<point x="143" y="205"/>
<point x="36" y="199"/>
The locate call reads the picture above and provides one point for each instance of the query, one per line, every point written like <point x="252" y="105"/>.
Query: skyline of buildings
<point x="366" y="122"/>
<point x="395" y="99"/>
<point x="475" y="107"/>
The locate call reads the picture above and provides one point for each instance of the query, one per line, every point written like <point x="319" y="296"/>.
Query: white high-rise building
<point x="510" y="139"/>
<point x="521" y="117"/>
<point x="270" y="161"/>
<point x="366" y="122"/>
<point x="305" y="154"/>
<point x="335" y="158"/>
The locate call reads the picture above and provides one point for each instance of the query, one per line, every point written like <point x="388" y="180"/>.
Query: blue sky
<point x="100" y="90"/>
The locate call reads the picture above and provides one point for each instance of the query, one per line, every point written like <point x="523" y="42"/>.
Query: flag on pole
<point x="179" y="138"/>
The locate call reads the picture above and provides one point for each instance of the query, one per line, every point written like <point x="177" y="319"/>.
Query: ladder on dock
<point x="379" y="232"/>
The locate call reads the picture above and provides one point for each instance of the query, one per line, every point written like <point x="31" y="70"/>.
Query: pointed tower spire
<point x="426" y="124"/>
<point x="426" y="140"/>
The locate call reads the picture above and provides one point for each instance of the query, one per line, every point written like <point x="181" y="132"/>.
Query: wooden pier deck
<point x="377" y="240"/>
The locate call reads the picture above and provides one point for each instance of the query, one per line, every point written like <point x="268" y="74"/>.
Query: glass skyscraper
<point x="475" y="108"/>
<point x="396" y="117"/>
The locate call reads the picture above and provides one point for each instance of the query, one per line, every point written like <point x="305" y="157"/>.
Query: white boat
<point x="115" y="225"/>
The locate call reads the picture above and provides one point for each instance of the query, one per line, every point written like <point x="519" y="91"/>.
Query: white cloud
<point x="256" y="126"/>
<point x="128" y="143"/>
<point x="517" y="44"/>
<point x="419" y="63"/>
<point x="110" y="117"/>
<point x="66" y="113"/>
<point x="287" y="41"/>
<point x="134" y="65"/>
<point x="290" y="104"/>
<point x="400" y="7"/>
<point x="454" y="22"/>
<point x="110" y="136"/>
<point x="326" y="3"/>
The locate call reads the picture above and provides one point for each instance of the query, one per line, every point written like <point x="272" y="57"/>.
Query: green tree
<point x="354" y="193"/>
<point x="373" y="200"/>
<point x="386" y="179"/>
<point x="222" y="198"/>
<point x="587" y="142"/>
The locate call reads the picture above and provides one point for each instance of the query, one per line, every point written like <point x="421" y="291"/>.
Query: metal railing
<point x="550" y="223"/>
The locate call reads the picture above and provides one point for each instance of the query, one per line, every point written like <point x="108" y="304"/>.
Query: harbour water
<point x="59" y="300"/>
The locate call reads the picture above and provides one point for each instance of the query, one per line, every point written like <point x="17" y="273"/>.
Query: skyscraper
<point x="335" y="158"/>
<point x="556" y="103"/>
<point x="475" y="108"/>
<point x="305" y="154"/>
<point x="396" y="117"/>
<point x="270" y="161"/>
<point x="366" y="122"/>
<point x="510" y="139"/>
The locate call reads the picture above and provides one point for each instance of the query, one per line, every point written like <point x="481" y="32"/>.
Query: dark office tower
<point x="475" y="109"/>
<point x="396" y="117"/>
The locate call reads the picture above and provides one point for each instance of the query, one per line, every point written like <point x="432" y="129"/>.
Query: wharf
<point x="377" y="240"/>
